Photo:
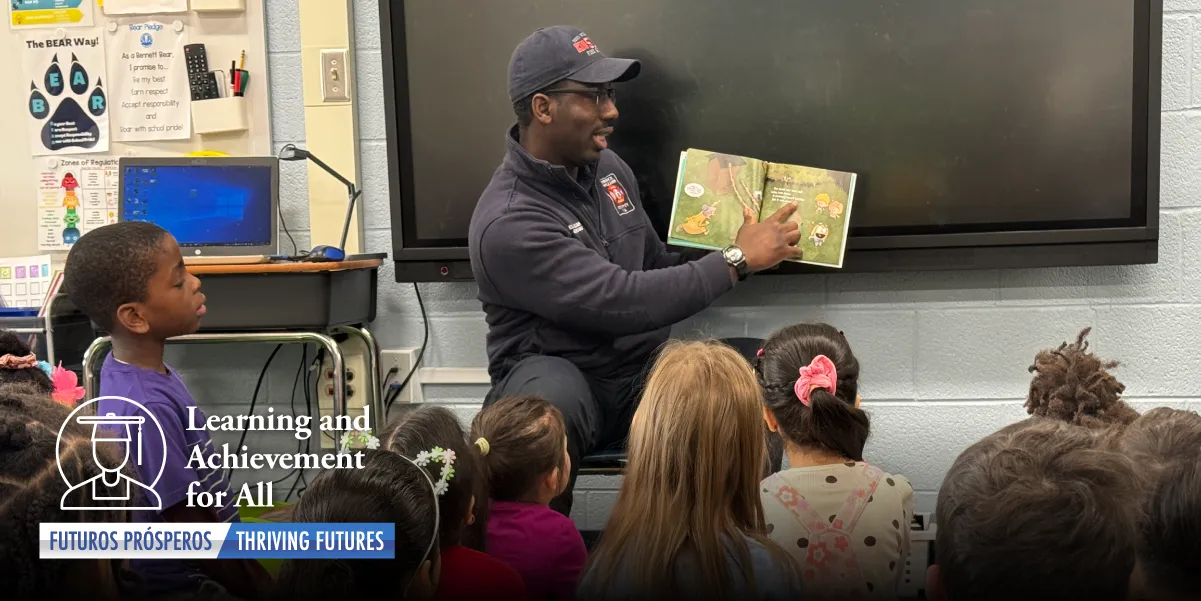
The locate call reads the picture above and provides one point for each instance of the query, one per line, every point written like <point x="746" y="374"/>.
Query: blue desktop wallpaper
<point x="202" y="205"/>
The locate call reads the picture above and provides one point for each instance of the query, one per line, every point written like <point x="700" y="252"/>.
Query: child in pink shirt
<point x="524" y="444"/>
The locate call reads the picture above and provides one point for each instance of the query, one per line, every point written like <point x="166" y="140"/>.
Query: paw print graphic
<point x="70" y="124"/>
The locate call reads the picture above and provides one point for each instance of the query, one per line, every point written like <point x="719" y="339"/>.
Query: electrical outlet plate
<point x="354" y="361"/>
<point x="335" y="75"/>
<point x="402" y="360"/>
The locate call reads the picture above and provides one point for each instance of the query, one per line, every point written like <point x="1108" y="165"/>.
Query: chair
<point x="610" y="462"/>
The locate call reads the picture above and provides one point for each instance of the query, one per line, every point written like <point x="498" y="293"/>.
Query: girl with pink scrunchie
<point x="844" y="520"/>
<point x="20" y="367"/>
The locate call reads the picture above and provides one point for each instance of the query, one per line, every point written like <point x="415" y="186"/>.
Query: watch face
<point x="733" y="254"/>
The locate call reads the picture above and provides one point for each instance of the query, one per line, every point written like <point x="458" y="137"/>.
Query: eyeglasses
<point x="600" y="95"/>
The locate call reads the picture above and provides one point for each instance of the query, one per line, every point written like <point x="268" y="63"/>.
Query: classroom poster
<point x="149" y="85"/>
<point x="25" y="14"/>
<point x="68" y="105"/>
<point x="143" y="7"/>
<point x="24" y="281"/>
<point x="75" y="195"/>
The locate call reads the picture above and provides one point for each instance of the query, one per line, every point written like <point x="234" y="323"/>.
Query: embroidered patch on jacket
<point x="617" y="194"/>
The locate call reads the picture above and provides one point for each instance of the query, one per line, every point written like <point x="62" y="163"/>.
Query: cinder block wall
<point x="944" y="354"/>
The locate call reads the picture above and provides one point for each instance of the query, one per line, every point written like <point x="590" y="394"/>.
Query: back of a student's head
<point x="425" y="434"/>
<point x="18" y="365"/>
<point x="1165" y="444"/>
<point x="32" y="492"/>
<point x="1072" y="384"/>
<point x="696" y="452"/>
<point x="525" y="457"/>
<point x="129" y="277"/>
<point x="387" y="489"/>
<point x="825" y="421"/>
<point x="1041" y="509"/>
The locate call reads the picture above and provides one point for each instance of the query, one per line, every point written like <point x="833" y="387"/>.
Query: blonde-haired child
<point x="688" y="523"/>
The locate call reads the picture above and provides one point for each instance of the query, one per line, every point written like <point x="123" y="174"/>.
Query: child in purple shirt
<point x="129" y="278"/>
<point x="524" y="444"/>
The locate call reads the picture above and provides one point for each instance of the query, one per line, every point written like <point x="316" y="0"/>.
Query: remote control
<point x="202" y="84"/>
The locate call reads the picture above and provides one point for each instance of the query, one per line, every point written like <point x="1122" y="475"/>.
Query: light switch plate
<point x="335" y="76"/>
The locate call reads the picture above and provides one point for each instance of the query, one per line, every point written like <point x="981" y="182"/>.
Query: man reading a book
<point x="577" y="288"/>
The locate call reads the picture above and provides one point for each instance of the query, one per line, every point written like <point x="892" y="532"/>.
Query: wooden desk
<point x="284" y="303"/>
<point x="291" y="267"/>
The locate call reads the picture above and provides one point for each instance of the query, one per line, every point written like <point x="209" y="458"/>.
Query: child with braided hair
<point x="31" y="493"/>
<point x="845" y="521"/>
<point x="434" y="436"/>
<point x="1073" y="385"/>
<point x="19" y="365"/>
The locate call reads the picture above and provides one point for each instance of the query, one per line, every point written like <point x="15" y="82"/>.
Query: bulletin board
<point x="105" y="79"/>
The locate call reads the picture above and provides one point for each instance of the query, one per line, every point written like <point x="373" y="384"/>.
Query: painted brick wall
<point x="944" y="355"/>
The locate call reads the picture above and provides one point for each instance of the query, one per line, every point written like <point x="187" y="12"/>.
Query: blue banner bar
<point x="309" y="541"/>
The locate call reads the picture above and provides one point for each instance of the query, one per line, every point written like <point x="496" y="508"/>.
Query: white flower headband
<point x="363" y="437"/>
<point x="439" y="455"/>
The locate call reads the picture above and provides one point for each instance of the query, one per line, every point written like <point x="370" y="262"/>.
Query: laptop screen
<point x="202" y="205"/>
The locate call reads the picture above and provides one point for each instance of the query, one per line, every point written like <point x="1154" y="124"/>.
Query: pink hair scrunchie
<point x="15" y="362"/>
<point x="820" y="373"/>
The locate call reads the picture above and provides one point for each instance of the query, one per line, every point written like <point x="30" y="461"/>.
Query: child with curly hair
<point x="1073" y="385"/>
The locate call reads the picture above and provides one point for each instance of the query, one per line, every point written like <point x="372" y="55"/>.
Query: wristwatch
<point x="737" y="260"/>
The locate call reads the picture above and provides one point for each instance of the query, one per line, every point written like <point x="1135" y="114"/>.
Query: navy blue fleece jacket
<point x="571" y="267"/>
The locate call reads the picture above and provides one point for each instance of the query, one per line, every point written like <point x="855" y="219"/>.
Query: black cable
<point x="425" y="320"/>
<point x="253" y="399"/>
<point x="282" y="222"/>
<point x="308" y="406"/>
<point x="292" y="406"/>
<point x="388" y="376"/>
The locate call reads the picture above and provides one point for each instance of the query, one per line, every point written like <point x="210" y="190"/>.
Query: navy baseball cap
<point x="561" y="52"/>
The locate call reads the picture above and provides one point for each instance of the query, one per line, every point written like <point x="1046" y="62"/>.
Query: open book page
<point x="712" y="189"/>
<point x="823" y="200"/>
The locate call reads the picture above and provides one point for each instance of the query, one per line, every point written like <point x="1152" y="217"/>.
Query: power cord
<point x="253" y="399"/>
<point x="282" y="222"/>
<point x="394" y="390"/>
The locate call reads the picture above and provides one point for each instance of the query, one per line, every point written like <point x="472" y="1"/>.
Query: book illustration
<point x="714" y="190"/>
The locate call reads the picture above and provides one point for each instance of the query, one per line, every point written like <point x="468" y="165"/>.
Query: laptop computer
<point x="221" y="210"/>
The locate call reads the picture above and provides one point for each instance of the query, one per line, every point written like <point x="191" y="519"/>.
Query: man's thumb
<point x="747" y="216"/>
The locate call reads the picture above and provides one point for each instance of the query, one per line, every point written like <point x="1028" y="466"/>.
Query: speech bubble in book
<point x="694" y="190"/>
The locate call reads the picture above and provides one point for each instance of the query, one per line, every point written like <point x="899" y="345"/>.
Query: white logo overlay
<point x="120" y="424"/>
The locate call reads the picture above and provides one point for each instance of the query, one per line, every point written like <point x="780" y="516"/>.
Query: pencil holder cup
<point x="219" y="115"/>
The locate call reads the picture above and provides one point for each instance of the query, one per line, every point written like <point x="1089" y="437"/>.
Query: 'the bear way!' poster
<point x="64" y="77"/>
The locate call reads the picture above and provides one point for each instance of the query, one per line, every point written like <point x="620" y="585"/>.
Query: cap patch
<point x="583" y="44"/>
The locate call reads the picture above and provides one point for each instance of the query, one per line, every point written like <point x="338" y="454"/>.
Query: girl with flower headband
<point x="18" y="365"/>
<point x="389" y="488"/>
<point x="844" y="520"/>
<point x="433" y="436"/>
<point x="523" y="441"/>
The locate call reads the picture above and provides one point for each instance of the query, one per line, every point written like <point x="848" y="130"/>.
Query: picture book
<point x="713" y="189"/>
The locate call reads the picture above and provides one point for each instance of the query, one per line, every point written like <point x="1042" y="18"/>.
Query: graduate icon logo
<point x="118" y="436"/>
